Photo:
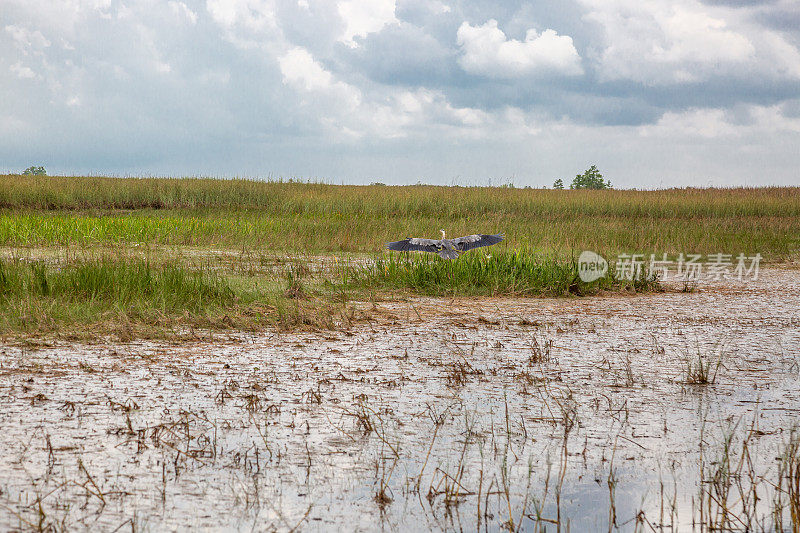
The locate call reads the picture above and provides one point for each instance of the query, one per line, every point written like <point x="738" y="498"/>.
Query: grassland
<point x="320" y="218"/>
<point x="159" y="242"/>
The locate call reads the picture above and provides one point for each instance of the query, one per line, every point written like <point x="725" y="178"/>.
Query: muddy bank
<point x="438" y="414"/>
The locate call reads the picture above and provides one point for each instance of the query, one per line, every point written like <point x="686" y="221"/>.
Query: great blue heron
<point x="447" y="248"/>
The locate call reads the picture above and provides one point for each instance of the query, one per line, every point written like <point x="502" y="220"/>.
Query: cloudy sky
<point x="656" y="93"/>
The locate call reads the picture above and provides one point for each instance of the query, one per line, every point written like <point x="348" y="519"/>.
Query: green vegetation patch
<point x="167" y="288"/>
<point x="37" y="297"/>
<point x="512" y="273"/>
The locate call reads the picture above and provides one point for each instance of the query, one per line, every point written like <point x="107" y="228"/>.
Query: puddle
<point x="438" y="415"/>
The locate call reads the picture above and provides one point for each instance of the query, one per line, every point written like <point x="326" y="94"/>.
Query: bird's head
<point x="443" y="237"/>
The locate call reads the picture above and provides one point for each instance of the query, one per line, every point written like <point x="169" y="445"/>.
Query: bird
<point x="446" y="248"/>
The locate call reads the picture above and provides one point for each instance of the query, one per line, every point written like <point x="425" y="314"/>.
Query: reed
<point x="321" y="218"/>
<point x="510" y="273"/>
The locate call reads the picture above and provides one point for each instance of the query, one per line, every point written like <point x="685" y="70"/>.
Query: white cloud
<point x="182" y="11"/>
<point x="718" y="123"/>
<point x="424" y="108"/>
<point x="782" y="59"/>
<point x="487" y="52"/>
<point x="300" y="70"/>
<point x="26" y="39"/>
<point x="59" y="15"/>
<point x="656" y="42"/>
<point x="253" y="15"/>
<point x="363" y="17"/>
<point x="162" y="67"/>
<point x="347" y="115"/>
<point x="694" y="123"/>
<point x="21" y="71"/>
<point x="248" y="24"/>
<point x="437" y="7"/>
<point x="425" y="115"/>
<point x="771" y="119"/>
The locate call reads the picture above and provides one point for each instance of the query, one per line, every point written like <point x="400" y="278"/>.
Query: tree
<point x="558" y="184"/>
<point x="591" y="179"/>
<point x="34" y="171"/>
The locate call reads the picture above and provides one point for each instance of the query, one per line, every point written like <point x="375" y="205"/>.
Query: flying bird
<point x="446" y="248"/>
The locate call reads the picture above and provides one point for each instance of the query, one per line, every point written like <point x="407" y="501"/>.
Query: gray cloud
<point x="404" y="54"/>
<point x="784" y="19"/>
<point x="198" y="87"/>
<point x="740" y="3"/>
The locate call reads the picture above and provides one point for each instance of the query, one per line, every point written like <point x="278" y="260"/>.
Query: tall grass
<point x="168" y="287"/>
<point x="774" y="239"/>
<point x="515" y="273"/>
<point x="320" y="218"/>
<point x="79" y="293"/>
<point x="38" y="297"/>
<point x="323" y="200"/>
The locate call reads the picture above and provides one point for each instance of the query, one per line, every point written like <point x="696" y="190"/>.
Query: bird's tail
<point x="448" y="254"/>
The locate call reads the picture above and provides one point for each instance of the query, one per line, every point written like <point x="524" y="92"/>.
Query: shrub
<point x="34" y="171"/>
<point x="591" y="179"/>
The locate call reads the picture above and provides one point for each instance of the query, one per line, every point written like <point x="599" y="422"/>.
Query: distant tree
<point x="591" y="179"/>
<point x="34" y="171"/>
<point x="558" y="184"/>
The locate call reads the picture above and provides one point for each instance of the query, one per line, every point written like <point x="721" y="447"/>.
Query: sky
<point x="656" y="93"/>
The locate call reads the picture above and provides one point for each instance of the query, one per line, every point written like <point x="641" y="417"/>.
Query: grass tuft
<point x="701" y="368"/>
<point x="514" y="273"/>
<point x="168" y="287"/>
<point x="35" y="295"/>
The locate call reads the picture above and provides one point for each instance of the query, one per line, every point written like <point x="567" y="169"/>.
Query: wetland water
<point x="438" y="414"/>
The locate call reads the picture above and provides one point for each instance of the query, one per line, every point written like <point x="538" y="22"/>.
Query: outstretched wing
<point x="414" y="244"/>
<point x="469" y="242"/>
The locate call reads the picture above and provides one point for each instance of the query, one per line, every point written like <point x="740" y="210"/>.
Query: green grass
<point x="36" y="296"/>
<point x="775" y="239"/>
<point x="116" y="248"/>
<point x="93" y="297"/>
<point x="103" y="295"/>
<point x="519" y="273"/>
<point x="166" y="288"/>
<point x="319" y="218"/>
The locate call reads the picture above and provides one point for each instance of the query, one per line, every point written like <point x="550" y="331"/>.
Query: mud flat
<point x="623" y="412"/>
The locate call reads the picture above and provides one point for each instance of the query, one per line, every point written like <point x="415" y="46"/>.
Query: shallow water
<point x="435" y="415"/>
